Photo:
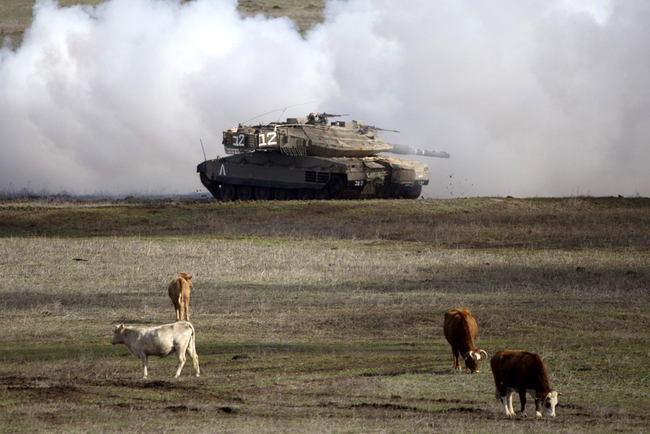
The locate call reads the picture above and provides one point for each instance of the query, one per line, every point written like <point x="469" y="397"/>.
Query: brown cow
<point x="179" y="292"/>
<point x="461" y="330"/>
<point x="523" y="372"/>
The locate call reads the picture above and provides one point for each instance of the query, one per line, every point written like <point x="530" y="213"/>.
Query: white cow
<point x="159" y="341"/>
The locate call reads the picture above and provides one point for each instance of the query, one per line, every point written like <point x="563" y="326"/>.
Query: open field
<point x="334" y="309"/>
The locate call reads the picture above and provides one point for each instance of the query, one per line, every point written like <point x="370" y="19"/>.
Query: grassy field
<point x="322" y="316"/>
<point x="16" y="15"/>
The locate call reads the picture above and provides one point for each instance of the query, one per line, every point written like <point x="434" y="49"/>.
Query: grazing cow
<point x="461" y="330"/>
<point x="179" y="292"/>
<point x="159" y="341"/>
<point x="523" y="372"/>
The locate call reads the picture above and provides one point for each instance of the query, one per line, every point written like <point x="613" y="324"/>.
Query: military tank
<point x="311" y="158"/>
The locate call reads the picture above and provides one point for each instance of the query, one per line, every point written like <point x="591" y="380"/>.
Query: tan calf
<point x="179" y="292"/>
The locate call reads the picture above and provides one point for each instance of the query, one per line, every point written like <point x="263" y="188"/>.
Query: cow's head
<point x="472" y="358"/>
<point x="547" y="402"/>
<point x="186" y="277"/>
<point x="118" y="334"/>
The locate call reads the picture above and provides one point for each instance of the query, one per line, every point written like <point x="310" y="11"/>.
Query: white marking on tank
<point x="222" y="171"/>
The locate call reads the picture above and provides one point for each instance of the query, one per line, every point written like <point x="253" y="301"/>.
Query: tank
<point x="313" y="158"/>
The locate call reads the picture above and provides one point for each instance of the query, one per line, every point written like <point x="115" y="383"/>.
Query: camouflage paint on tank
<point x="306" y="158"/>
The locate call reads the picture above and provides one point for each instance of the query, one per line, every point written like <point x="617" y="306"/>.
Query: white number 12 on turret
<point x="268" y="139"/>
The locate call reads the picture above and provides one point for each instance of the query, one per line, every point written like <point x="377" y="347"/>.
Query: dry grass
<point x="571" y="223"/>
<point x="335" y="334"/>
<point x="304" y="13"/>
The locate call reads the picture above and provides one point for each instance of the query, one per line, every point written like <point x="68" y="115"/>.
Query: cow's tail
<point x="192" y="344"/>
<point x="192" y="350"/>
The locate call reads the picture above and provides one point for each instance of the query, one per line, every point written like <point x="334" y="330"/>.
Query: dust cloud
<point x="550" y="98"/>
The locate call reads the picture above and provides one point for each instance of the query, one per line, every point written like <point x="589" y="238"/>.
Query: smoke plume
<point x="544" y="98"/>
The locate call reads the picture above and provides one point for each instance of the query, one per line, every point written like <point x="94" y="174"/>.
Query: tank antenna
<point x="281" y="113"/>
<point x="277" y="110"/>
<point x="204" y="157"/>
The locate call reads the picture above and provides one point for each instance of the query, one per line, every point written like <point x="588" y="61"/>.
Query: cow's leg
<point x="178" y="305"/>
<point x="180" y="308"/>
<point x="533" y="394"/>
<point x="507" y="402"/>
<point x="191" y="348"/>
<point x="504" y="402"/>
<point x="512" y="410"/>
<point x="181" y="363"/>
<point x="180" y="350"/>
<point x="537" y="412"/>
<point x="177" y="309"/>
<point x="144" y="360"/>
<point x="522" y="398"/>
<point x="195" y="361"/>
<point x="456" y="358"/>
<point x="186" y="303"/>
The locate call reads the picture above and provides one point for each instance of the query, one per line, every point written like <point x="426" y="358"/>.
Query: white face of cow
<point x="118" y="335"/>
<point x="472" y="359"/>
<point x="548" y="403"/>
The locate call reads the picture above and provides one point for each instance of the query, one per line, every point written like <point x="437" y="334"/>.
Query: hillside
<point x="16" y="15"/>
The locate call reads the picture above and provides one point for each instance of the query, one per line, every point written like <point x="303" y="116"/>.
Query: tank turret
<point x="313" y="136"/>
<point x="309" y="157"/>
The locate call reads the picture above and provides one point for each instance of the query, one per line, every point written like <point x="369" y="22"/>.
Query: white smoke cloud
<point x="541" y="99"/>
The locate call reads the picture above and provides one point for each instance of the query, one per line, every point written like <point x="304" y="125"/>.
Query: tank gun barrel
<point x="372" y="127"/>
<point x="329" y="115"/>
<point x="436" y="154"/>
<point x="407" y="150"/>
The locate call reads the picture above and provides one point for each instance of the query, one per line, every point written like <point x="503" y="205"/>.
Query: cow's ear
<point x="559" y="393"/>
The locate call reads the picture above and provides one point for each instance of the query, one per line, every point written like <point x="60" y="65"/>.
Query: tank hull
<point x="268" y="175"/>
